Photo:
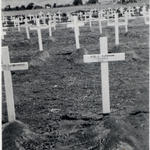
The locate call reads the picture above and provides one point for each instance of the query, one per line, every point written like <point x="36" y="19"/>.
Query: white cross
<point x="35" y="18"/>
<point x="69" y="16"/>
<point x="102" y="15"/>
<point x="38" y="27"/>
<point x="143" y="10"/>
<point x="7" y="67"/>
<point x="43" y="18"/>
<point x="117" y="24"/>
<point x="100" y="22"/>
<point x="85" y="16"/>
<point x="147" y="17"/>
<point x="30" y="17"/>
<point x="59" y="15"/>
<point x="90" y="19"/>
<point x="3" y="32"/>
<point x="54" y="21"/>
<point x="48" y="14"/>
<point x="18" y="24"/>
<point x="130" y="13"/>
<point x="120" y="23"/>
<point x="4" y="20"/>
<point x="50" y="26"/>
<point x="21" y="18"/>
<point x="104" y="57"/>
<point x="121" y="10"/>
<point x="27" y="28"/>
<point x="76" y="24"/>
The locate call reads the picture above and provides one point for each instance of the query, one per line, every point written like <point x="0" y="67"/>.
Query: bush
<point x="77" y="2"/>
<point x="30" y="6"/>
<point x="92" y="2"/>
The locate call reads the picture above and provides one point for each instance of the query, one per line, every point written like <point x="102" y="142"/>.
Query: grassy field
<point x="73" y="8"/>
<point x="58" y="79"/>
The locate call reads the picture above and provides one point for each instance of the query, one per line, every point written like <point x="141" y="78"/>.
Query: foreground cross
<point x="104" y="58"/>
<point x="76" y="24"/>
<point x="7" y="67"/>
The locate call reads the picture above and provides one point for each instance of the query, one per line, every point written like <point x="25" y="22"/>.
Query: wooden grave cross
<point x="121" y="10"/>
<point x="131" y="13"/>
<point x="147" y="17"/>
<point x="117" y="24"/>
<point x="3" y="32"/>
<point x="4" y="20"/>
<point x="86" y="16"/>
<point x="80" y="15"/>
<point x="48" y="14"/>
<point x="76" y="24"/>
<point x="69" y="17"/>
<point x="43" y="18"/>
<point x="35" y="17"/>
<point x="27" y="28"/>
<point x="143" y="10"/>
<point x="18" y="24"/>
<point x="7" y="67"/>
<point x="120" y="23"/>
<point x="59" y="15"/>
<point x="102" y="15"/>
<point x="51" y="25"/>
<point x="100" y="22"/>
<point x="21" y="18"/>
<point x="13" y="19"/>
<point x="104" y="57"/>
<point x="54" y="20"/>
<point x="38" y="27"/>
<point x="30" y="17"/>
<point x="90" y="18"/>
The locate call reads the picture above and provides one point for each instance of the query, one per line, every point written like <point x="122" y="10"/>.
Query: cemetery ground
<point x="59" y="97"/>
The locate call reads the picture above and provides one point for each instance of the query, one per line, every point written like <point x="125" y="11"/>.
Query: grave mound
<point x="133" y="34"/>
<point x="77" y="55"/>
<point x="121" y="135"/>
<point x="39" y="58"/>
<point x="17" y="135"/>
<point x="52" y="39"/>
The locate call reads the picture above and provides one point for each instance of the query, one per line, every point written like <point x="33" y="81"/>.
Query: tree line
<point x="34" y="6"/>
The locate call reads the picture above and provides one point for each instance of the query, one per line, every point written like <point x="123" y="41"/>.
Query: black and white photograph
<point x="75" y="74"/>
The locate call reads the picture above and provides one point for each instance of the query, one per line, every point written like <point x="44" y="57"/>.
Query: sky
<point x="13" y="3"/>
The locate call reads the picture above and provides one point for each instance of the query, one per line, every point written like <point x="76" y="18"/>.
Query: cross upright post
<point x="100" y="22"/>
<point x="116" y="30"/>
<point x="27" y="28"/>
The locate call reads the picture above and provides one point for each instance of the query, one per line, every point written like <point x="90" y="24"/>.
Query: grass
<point x="58" y="79"/>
